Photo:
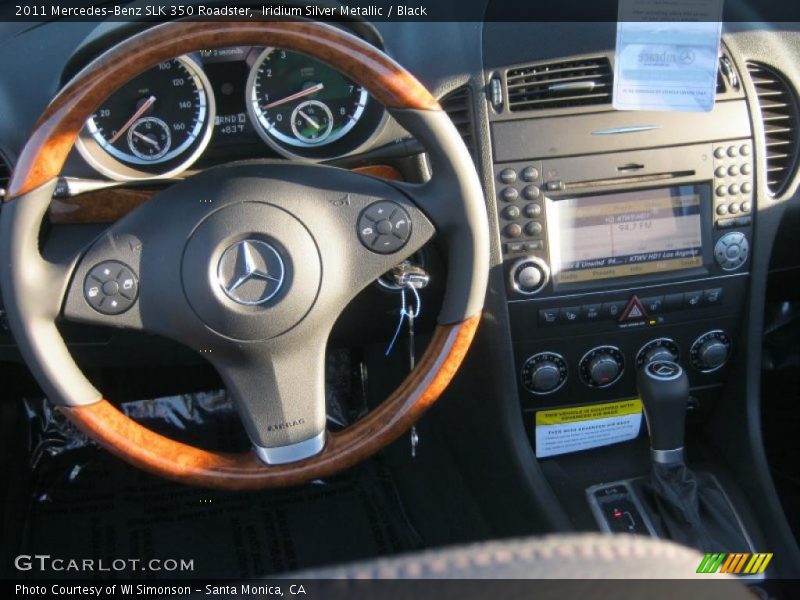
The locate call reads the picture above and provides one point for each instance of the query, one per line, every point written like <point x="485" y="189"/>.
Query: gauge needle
<point x="147" y="140"/>
<point x="147" y="104"/>
<point x="300" y="94"/>
<point x="311" y="121"/>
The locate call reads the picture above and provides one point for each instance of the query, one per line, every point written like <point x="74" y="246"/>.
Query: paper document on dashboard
<point x="667" y="55"/>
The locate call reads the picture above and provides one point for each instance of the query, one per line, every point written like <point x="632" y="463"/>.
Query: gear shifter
<point x="690" y="507"/>
<point x="664" y="390"/>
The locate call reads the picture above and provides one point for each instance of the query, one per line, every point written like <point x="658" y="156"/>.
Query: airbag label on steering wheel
<point x="564" y="430"/>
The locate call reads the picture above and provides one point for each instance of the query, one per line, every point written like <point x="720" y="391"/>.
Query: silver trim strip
<point x="281" y="455"/>
<point x="572" y="86"/>
<point x="629" y="129"/>
<point x="667" y="457"/>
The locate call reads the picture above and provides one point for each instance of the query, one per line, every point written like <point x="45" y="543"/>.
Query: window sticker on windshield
<point x="667" y="55"/>
<point x="564" y="430"/>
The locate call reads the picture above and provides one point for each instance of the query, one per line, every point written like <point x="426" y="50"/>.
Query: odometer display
<point x="301" y="102"/>
<point x="155" y="117"/>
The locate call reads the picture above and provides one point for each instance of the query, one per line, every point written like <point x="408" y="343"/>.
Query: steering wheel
<point x="249" y="264"/>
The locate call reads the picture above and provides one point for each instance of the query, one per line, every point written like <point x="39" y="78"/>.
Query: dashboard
<point x="208" y="105"/>
<point x="618" y="235"/>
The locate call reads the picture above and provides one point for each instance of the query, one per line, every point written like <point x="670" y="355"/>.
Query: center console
<point x="630" y="247"/>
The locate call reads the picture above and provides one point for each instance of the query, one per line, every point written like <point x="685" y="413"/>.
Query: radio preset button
<point x="509" y="194"/>
<point x="745" y="150"/>
<point x="719" y="152"/>
<point x="511" y="212"/>
<point x="746" y="188"/>
<point x="508" y="176"/>
<point x="722" y="209"/>
<point x="533" y="229"/>
<point x="733" y="170"/>
<point x="733" y="208"/>
<point x="721" y="191"/>
<point x="531" y="192"/>
<point x="512" y="231"/>
<point x="533" y="210"/>
<point x="530" y="174"/>
<point x="733" y="151"/>
<point x="721" y="172"/>
<point x="745" y="205"/>
<point x="746" y="169"/>
<point x="733" y="189"/>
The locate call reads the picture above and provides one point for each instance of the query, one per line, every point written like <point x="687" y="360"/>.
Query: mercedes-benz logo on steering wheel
<point x="250" y="272"/>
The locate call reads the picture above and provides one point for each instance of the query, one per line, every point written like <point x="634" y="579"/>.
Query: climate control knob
<point x="658" y="349"/>
<point x="529" y="275"/>
<point x="544" y="373"/>
<point x="710" y="351"/>
<point x="602" y="366"/>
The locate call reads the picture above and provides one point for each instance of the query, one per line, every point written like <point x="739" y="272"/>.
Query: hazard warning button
<point x="634" y="311"/>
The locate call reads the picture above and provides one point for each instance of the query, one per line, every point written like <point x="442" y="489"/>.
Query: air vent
<point x="779" y="114"/>
<point x="559" y="85"/>
<point x="5" y="175"/>
<point x="458" y="105"/>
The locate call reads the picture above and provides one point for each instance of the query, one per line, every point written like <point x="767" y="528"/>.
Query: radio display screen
<point x="625" y="234"/>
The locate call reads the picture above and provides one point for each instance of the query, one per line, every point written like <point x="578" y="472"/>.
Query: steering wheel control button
<point x="250" y="272"/>
<point x="602" y="366"/>
<point x="529" y="275"/>
<point x="544" y="373"/>
<point x="384" y="227"/>
<point x="731" y="250"/>
<point x="110" y="288"/>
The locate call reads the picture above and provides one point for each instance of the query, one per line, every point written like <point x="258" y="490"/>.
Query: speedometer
<point x="156" y="123"/>
<point x="300" y="102"/>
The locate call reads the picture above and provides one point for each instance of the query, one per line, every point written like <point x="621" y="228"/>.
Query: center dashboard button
<point x="570" y="314"/>
<point x="613" y="310"/>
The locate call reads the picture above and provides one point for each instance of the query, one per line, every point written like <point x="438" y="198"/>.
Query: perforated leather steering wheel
<point x="266" y="338"/>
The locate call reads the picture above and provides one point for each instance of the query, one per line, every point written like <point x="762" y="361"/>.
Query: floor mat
<point x="87" y="504"/>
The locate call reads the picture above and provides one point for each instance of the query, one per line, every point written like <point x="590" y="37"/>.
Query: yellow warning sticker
<point x="586" y="413"/>
<point x="564" y="430"/>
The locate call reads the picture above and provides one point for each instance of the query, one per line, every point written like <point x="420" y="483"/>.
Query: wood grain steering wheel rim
<point x="42" y="160"/>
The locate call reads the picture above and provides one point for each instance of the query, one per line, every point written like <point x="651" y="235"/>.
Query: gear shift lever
<point x="664" y="390"/>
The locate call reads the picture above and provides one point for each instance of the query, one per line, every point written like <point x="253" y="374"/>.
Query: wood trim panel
<point x="110" y="205"/>
<point x="54" y="134"/>
<point x="168" y="458"/>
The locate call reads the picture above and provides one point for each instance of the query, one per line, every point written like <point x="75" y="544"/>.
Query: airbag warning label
<point x="564" y="430"/>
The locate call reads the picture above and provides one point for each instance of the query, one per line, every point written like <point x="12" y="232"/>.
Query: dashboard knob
<point x="544" y="373"/>
<point x="659" y="349"/>
<point x="710" y="351"/>
<point x="529" y="275"/>
<point x="602" y="366"/>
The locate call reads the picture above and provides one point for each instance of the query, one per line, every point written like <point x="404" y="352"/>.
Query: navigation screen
<point x="626" y="234"/>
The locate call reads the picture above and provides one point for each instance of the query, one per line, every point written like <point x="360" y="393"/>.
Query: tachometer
<point x="300" y="102"/>
<point x="157" y="123"/>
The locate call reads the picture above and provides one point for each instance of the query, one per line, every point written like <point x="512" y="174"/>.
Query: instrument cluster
<point x="223" y="104"/>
